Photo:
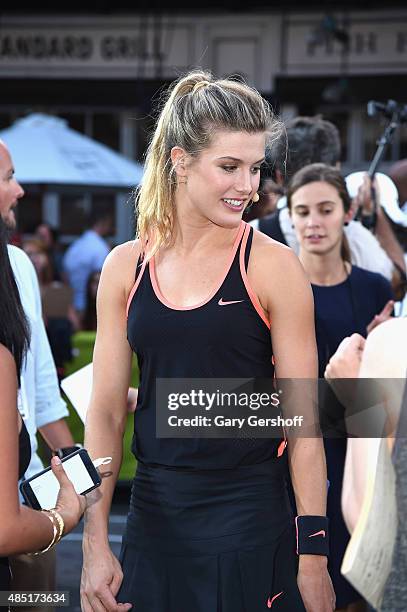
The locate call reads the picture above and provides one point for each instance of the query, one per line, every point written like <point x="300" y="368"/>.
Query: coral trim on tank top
<point x="218" y="285"/>
<point x="253" y="297"/>
<point x="136" y="284"/>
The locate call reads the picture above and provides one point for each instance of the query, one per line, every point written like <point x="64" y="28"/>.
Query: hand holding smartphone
<point x="41" y="490"/>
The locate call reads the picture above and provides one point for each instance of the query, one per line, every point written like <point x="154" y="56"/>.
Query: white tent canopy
<point x="46" y="151"/>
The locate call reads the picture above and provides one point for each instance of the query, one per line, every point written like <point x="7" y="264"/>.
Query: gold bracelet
<point x="54" y="536"/>
<point x="60" y="522"/>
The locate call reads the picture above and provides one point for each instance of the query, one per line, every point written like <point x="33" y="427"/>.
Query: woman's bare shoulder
<point x="276" y="274"/>
<point x="7" y="363"/>
<point x="120" y="265"/>
<point x="8" y="373"/>
<point x="128" y="252"/>
<point x="272" y="256"/>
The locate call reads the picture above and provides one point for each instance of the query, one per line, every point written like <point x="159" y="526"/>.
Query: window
<point x="77" y="208"/>
<point x="74" y="210"/>
<point x="106" y="129"/>
<point x="102" y="203"/>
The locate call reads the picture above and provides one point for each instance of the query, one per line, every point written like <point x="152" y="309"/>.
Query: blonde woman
<point x="196" y="296"/>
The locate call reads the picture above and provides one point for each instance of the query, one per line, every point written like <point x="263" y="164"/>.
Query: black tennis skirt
<point x="210" y="541"/>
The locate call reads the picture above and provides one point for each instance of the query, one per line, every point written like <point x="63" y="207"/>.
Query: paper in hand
<point x="78" y="388"/>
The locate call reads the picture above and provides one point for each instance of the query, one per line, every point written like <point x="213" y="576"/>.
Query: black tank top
<point x="227" y="335"/>
<point x="24" y="453"/>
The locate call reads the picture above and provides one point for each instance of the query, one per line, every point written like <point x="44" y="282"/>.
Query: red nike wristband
<point x="312" y="535"/>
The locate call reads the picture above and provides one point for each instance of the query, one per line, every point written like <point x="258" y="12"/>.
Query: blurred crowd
<point x="69" y="280"/>
<point x="355" y="289"/>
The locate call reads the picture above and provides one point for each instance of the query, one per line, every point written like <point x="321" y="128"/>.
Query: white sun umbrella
<point x="46" y="151"/>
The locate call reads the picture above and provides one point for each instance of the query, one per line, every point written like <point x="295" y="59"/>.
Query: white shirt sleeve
<point x="43" y="396"/>
<point x="49" y="405"/>
<point x="366" y="251"/>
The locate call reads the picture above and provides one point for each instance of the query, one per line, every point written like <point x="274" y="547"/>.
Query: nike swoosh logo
<point x="270" y="601"/>
<point x="223" y="303"/>
<point x="321" y="533"/>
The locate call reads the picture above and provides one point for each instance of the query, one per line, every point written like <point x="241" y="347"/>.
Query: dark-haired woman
<point x="347" y="300"/>
<point x="22" y="529"/>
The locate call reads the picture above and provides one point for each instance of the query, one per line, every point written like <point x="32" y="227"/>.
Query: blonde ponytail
<point x="196" y="104"/>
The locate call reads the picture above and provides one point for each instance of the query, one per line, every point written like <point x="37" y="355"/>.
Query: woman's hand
<point x="345" y="363"/>
<point x="343" y="368"/>
<point x="69" y="504"/>
<point x="363" y="200"/>
<point x="385" y="315"/>
<point x="101" y="580"/>
<point x="315" y="584"/>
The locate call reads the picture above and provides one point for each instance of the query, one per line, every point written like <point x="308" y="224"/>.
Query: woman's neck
<point x="193" y="233"/>
<point x="328" y="269"/>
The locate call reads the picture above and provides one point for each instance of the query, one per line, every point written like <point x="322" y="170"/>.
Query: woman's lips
<point x="232" y="204"/>
<point x="314" y="238"/>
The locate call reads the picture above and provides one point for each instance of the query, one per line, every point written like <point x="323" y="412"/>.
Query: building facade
<point x="103" y="75"/>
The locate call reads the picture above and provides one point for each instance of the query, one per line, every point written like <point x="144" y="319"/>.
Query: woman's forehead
<point x="317" y="191"/>
<point x="238" y="145"/>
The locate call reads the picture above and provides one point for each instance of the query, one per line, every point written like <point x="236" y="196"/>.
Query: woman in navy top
<point x="347" y="299"/>
<point x="196" y="296"/>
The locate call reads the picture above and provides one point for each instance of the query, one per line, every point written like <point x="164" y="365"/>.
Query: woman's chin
<point x="228" y="223"/>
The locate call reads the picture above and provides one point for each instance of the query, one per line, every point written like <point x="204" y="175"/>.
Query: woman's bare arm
<point x="285" y="294"/>
<point x="23" y="529"/>
<point x="106" y="420"/>
<point x="107" y="414"/>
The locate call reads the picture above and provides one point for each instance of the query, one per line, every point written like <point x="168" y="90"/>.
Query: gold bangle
<point x="54" y="536"/>
<point x="60" y="522"/>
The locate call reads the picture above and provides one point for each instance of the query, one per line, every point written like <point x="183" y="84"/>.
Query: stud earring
<point x="255" y="198"/>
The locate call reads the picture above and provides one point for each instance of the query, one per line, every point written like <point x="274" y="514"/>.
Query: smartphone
<point x="41" y="490"/>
